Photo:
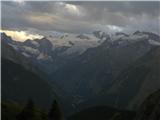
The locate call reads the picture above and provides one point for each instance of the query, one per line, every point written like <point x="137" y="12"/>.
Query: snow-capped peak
<point x="76" y="43"/>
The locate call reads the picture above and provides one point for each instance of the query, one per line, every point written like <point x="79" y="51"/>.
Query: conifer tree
<point x="55" y="112"/>
<point x="28" y="113"/>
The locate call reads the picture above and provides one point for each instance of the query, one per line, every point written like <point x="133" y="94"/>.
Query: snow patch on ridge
<point x="153" y="42"/>
<point x="25" y="54"/>
<point x="31" y="50"/>
<point x="36" y="44"/>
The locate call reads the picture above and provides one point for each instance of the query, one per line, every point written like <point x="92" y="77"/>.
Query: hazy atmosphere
<point x="79" y="60"/>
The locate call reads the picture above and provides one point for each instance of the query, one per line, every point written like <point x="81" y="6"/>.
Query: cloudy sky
<point x="80" y="17"/>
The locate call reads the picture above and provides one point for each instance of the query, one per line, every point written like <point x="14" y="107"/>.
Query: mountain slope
<point x="150" y="108"/>
<point x="137" y="81"/>
<point x="102" y="113"/>
<point x="19" y="84"/>
<point x="94" y="70"/>
<point x="85" y="68"/>
<point x="9" y="52"/>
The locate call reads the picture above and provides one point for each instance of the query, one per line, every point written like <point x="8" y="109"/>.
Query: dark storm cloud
<point x="149" y="7"/>
<point x="81" y="16"/>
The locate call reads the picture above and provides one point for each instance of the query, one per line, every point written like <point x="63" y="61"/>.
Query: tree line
<point x="29" y="112"/>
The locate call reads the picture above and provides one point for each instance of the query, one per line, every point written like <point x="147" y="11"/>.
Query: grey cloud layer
<point x="81" y="16"/>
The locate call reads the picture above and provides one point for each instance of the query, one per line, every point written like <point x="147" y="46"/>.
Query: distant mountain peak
<point x="101" y="35"/>
<point x="137" y="32"/>
<point x="82" y="36"/>
<point x="121" y="33"/>
<point x="6" y="38"/>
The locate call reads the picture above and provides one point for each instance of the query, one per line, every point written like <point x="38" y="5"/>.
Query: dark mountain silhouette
<point x="102" y="113"/>
<point x="19" y="84"/>
<point x="139" y="80"/>
<point x="150" y="108"/>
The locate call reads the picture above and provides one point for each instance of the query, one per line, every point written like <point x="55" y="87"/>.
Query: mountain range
<point x="86" y="70"/>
